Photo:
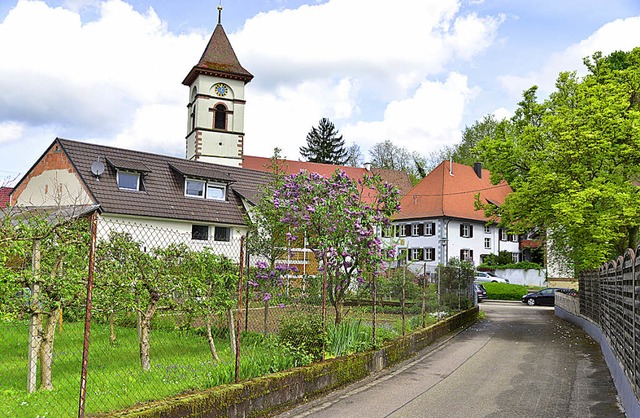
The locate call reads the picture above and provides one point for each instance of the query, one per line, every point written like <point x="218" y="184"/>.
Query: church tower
<point x="215" y="130"/>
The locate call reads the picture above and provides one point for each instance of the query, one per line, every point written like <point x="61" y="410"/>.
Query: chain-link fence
<point x="100" y="314"/>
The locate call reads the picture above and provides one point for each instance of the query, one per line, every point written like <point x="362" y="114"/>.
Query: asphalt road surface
<point x="520" y="361"/>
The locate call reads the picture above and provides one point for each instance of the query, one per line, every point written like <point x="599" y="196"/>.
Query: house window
<point x="416" y="254"/>
<point x="466" y="231"/>
<point x="487" y="229"/>
<point x="430" y="228"/>
<point x="514" y="237"/>
<point x="429" y="254"/>
<point x="216" y="191"/>
<point x="487" y="243"/>
<point x="194" y="188"/>
<point x="200" y="232"/>
<point x="403" y="230"/>
<point x="220" y="119"/>
<point x="222" y="233"/>
<point x="128" y="180"/>
<point x="503" y="235"/>
<point x="515" y="257"/>
<point x="466" y="255"/>
<point x="417" y="230"/>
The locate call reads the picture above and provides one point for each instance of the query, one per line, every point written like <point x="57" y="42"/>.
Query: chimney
<point x="477" y="167"/>
<point x="367" y="166"/>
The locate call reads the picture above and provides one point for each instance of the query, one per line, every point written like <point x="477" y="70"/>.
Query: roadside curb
<point x="501" y="301"/>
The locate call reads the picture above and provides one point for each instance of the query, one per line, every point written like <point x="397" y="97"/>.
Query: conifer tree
<point x="324" y="145"/>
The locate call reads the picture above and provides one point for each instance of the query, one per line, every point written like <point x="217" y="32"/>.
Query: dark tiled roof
<point x="219" y="59"/>
<point x="128" y="165"/>
<point x="163" y="195"/>
<point x="203" y="171"/>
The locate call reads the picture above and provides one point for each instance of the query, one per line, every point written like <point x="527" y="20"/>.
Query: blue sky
<point x="415" y="72"/>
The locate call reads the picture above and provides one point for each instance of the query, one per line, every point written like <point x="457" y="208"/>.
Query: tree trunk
<point x="338" y="306"/>
<point x="112" y="327"/>
<point x="212" y="345"/>
<point x="35" y="342"/>
<point x="145" y="334"/>
<point x="35" y="326"/>
<point x="232" y="332"/>
<point x="46" y="350"/>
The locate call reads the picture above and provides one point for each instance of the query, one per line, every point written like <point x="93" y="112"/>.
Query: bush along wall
<point x="265" y="396"/>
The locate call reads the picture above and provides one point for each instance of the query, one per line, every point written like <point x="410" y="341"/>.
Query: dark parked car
<point x="546" y="297"/>
<point x="480" y="291"/>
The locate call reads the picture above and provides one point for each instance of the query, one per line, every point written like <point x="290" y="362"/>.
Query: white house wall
<point x="153" y="232"/>
<point x="447" y="242"/>
<point x="53" y="188"/>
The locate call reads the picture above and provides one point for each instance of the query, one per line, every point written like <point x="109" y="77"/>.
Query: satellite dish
<point x="97" y="168"/>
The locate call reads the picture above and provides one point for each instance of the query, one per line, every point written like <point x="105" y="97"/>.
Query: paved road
<point x="520" y="361"/>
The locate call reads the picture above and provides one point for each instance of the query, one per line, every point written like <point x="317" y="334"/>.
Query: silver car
<point x="487" y="276"/>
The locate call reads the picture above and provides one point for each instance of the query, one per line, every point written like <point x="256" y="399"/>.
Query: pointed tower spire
<point x="219" y="59"/>
<point x="215" y="129"/>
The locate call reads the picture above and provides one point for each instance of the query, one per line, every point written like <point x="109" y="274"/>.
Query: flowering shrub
<point x="340" y="219"/>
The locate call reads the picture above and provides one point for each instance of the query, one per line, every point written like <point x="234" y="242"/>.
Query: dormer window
<point x="204" y="189"/>
<point x="194" y="188"/>
<point x="129" y="173"/>
<point x="216" y="191"/>
<point x="128" y="180"/>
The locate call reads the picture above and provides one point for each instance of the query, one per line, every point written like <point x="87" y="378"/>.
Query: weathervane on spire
<point x="219" y="12"/>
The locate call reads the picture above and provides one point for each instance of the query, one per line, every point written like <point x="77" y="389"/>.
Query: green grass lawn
<point x="181" y="361"/>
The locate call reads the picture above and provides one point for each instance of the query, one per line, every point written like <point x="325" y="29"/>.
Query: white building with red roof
<point x="438" y="219"/>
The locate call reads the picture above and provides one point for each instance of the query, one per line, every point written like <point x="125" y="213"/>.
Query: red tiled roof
<point x="451" y="193"/>
<point x="399" y="179"/>
<point x="4" y="196"/>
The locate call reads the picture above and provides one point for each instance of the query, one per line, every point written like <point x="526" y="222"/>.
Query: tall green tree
<point x="390" y="156"/>
<point x="354" y="156"/>
<point x="573" y="161"/>
<point x="324" y="145"/>
<point x="465" y="152"/>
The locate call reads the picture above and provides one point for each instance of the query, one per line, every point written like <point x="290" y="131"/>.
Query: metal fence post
<point x="239" y="315"/>
<point x="87" y="317"/>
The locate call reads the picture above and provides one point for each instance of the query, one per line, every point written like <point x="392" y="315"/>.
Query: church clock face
<point x="221" y="89"/>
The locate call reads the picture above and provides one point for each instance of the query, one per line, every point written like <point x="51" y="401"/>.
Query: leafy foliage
<point x="389" y="156"/>
<point x="339" y="219"/>
<point x="573" y="161"/>
<point x="505" y="291"/>
<point x="303" y="330"/>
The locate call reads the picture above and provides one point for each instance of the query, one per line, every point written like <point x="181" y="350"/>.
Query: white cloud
<point x="502" y="113"/>
<point x="10" y="131"/>
<point x="369" y="54"/>
<point x="424" y="122"/>
<point x="621" y="34"/>
<point x="89" y="78"/>
<point x="116" y="78"/>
